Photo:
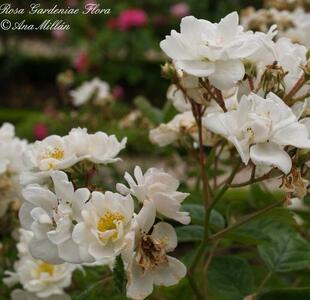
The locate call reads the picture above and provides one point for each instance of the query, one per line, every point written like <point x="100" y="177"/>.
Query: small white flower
<point x="160" y="188"/>
<point x="60" y="153"/>
<point x="288" y="55"/>
<point x="170" y="132"/>
<point x="146" y="258"/>
<point x="216" y="51"/>
<point x="52" y="153"/>
<point x="50" y="217"/>
<point x="106" y="219"/>
<point x="11" y="149"/>
<point x="178" y="99"/>
<point x="7" y="132"/>
<point x="259" y="129"/>
<point x="96" y="90"/>
<point x="38" y="278"/>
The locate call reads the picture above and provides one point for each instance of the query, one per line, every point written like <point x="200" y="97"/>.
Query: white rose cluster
<point x="95" y="91"/>
<point x="72" y="223"/>
<point x="292" y="24"/>
<point x="249" y="89"/>
<point x="39" y="279"/>
<point x="11" y="166"/>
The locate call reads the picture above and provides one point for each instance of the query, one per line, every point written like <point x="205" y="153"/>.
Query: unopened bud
<point x="168" y="71"/>
<point x="65" y="79"/>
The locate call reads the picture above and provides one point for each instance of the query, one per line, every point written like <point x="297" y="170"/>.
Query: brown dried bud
<point x="273" y="79"/>
<point x="294" y="185"/>
<point x="250" y="68"/>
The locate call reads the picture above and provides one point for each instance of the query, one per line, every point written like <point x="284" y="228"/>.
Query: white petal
<point x="45" y="250"/>
<point x="69" y="252"/>
<point x="227" y="74"/>
<point x="295" y="134"/>
<point x="146" y="216"/>
<point x="165" y="232"/>
<point x="197" y="68"/>
<point x="271" y="154"/>
<point x="25" y="217"/>
<point x="171" y="273"/>
<point x="139" y="285"/>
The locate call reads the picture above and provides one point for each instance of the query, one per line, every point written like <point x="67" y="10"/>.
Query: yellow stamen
<point x="57" y="153"/>
<point x="108" y="222"/>
<point x="45" y="268"/>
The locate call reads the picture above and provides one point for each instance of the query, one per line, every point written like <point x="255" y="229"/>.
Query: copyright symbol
<point x="5" y="24"/>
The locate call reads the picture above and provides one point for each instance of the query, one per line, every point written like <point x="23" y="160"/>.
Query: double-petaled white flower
<point x="170" y="132"/>
<point x="60" y="153"/>
<point x="98" y="148"/>
<point x="213" y="50"/>
<point x="259" y="129"/>
<point x="146" y="258"/>
<point x="105" y="221"/>
<point x="96" y="90"/>
<point x="11" y="166"/>
<point x="184" y="123"/>
<point x="50" y="216"/>
<point x="158" y="187"/>
<point x="39" y="279"/>
<point x="289" y="56"/>
<point x="11" y="149"/>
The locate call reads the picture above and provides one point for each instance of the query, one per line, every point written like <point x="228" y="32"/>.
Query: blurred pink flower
<point x="81" y="62"/>
<point x="179" y="10"/>
<point x="40" y="131"/>
<point x="59" y="35"/>
<point x="118" y="92"/>
<point x="130" y="18"/>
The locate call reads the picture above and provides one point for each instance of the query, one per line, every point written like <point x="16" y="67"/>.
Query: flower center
<point x="109" y="221"/>
<point x="44" y="268"/>
<point x="56" y="153"/>
<point x="151" y="253"/>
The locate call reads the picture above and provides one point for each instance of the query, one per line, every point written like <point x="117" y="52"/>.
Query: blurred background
<point x="39" y="68"/>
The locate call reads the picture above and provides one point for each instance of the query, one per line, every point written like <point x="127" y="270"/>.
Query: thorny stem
<point x="228" y="229"/>
<point x="300" y="82"/>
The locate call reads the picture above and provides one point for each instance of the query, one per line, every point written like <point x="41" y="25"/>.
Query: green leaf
<point x="286" y="294"/>
<point x="88" y="291"/>
<point x="151" y="112"/>
<point x="216" y="219"/>
<point x="231" y="276"/>
<point x="169" y="111"/>
<point x="197" y="213"/>
<point x="119" y="274"/>
<point x="190" y="233"/>
<point x="285" y="253"/>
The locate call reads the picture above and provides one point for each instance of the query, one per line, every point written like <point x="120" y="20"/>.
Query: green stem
<point x="204" y="242"/>
<point x="223" y="232"/>
<point x="264" y="281"/>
